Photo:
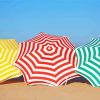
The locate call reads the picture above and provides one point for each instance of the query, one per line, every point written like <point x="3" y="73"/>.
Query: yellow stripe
<point x="8" y="53"/>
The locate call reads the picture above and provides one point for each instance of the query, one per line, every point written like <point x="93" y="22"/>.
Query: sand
<point x="72" y="91"/>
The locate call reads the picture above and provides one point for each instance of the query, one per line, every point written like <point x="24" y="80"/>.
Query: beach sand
<point x="18" y="90"/>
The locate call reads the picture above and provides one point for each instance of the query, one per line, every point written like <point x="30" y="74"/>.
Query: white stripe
<point x="79" y="70"/>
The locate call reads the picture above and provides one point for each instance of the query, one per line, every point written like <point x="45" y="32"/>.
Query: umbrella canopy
<point x="89" y="61"/>
<point x="63" y="40"/>
<point x="47" y="59"/>
<point x="94" y="42"/>
<point x="8" y="52"/>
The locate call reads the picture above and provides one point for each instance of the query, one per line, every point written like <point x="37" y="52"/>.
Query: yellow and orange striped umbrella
<point x="8" y="53"/>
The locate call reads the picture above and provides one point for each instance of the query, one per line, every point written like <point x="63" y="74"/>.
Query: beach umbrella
<point x="8" y="53"/>
<point x="89" y="61"/>
<point x="63" y="40"/>
<point x="47" y="59"/>
<point x="94" y="42"/>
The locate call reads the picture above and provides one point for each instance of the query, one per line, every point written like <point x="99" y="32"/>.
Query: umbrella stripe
<point x="94" y="54"/>
<point x="25" y="47"/>
<point x="39" y="83"/>
<point x="28" y="79"/>
<point x="66" y="54"/>
<point x="86" y="75"/>
<point x="68" y="43"/>
<point x="41" y="70"/>
<point x="42" y="37"/>
<point x="8" y="44"/>
<point x="93" y="42"/>
<point x="9" y="57"/>
<point x="60" y="81"/>
<point x="30" y="63"/>
<point x="89" y="64"/>
<point x="10" y="73"/>
<point x="31" y="69"/>
<point x="8" y="53"/>
<point x="47" y="59"/>
<point x="51" y="61"/>
<point x="89" y="58"/>
<point x="45" y="82"/>
<point x="33" y="61"/>
<point x="90" y="61"/>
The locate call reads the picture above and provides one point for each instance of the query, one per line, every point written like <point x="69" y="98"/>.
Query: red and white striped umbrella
<point x="47" y="59"/>
<point x="63" y="40"/>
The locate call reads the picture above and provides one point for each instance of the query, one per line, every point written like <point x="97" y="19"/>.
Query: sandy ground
<point x="73" y="91"/>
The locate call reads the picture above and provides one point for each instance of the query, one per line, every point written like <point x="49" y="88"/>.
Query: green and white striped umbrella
<point x="89" y="61"/>
<point x="94" y="42"/>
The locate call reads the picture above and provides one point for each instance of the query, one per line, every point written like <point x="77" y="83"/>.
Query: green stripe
<point x="94" y="51"/>
<point x="80" y="59"/>
<point x="93" y="42"/>
<point x="99" y="51"/>
<point x="89" y="72"/>
<point x="85" y="56"/>
<point x="93" y="68"/>
<point x="87" y="77"/>
<point x="89" y="57"/>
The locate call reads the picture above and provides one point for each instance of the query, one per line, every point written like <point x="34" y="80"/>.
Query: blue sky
<point x="24" y="19"/>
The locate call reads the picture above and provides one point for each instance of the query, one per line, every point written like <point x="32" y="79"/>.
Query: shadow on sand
<point x="21" y="79"/>
<point x="14" y="80"/>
